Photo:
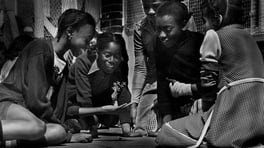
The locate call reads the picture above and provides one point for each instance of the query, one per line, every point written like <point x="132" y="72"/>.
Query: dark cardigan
<point x="92" y="89"/>
<point x="180" y="62"/>
<point x="30" y="79"/>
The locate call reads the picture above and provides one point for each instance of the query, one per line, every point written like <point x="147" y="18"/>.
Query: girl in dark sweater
<point x="97" y="85"/>
<point x="26" y="113"/>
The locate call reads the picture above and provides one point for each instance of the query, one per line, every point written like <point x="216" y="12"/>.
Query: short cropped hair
<point x="176" y="9"/>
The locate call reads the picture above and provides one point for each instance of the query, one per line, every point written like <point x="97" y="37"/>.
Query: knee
<point x="37" y="129"/>
<point x="60" y="133"/>
<point x="57" y="134"/>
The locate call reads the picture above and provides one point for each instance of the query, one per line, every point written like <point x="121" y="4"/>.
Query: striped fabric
<point x="140" y="70"/>
<point x="137" y="39"/>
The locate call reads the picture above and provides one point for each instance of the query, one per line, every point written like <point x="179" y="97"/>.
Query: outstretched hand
<point x="69" y="57"/>
<point x="115" y="109"/>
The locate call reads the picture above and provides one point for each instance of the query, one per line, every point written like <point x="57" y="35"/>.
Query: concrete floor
<point x="111" y="138"/>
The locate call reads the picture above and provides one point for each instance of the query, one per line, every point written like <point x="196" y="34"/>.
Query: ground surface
<point x="111" y="138"/>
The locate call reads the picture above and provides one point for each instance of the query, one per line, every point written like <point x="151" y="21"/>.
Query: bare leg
<point x="55" y="134"/>
<point x="22" y="124"/>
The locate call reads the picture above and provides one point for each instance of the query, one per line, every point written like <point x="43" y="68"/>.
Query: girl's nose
<point x="162" y="34"/>
<point x="151" y="11"/>
<point x="111" y="59"/>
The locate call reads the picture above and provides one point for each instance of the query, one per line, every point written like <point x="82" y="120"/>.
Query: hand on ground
<point x="81" y="138"/>
<point x="197" y="107"/>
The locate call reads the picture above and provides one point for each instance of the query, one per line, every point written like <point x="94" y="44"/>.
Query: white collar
<point x="94" y="67"/>
<point x="59" y="63"/>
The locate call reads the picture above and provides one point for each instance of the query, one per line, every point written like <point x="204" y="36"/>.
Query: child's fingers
<point x="70" y="53"/>
<point x="200" y="104"/>
<point x="128" y="104"/>
<point x="122" y="106"/>
<point x="170" y="85"/>
<point x="171" y="80"/>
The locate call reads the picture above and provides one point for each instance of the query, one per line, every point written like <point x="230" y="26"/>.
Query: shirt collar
<point x="94" y="67"/>
<point x="59" y="63"/>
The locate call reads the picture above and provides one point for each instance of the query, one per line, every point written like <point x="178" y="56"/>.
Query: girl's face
<point x="81" y="38"/>
<point x="150" y="6"/>
<point x="168" y="30"/>
<point x="109" y="58"/>
<point x="211" y="20"/>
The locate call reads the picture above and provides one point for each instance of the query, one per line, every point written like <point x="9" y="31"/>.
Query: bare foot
<point x="81" y="138"/>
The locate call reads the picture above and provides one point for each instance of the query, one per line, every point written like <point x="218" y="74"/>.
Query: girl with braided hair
<point x="231" y="62"/>
<point x="26" y="109"/>
<point x="97" y="86"/>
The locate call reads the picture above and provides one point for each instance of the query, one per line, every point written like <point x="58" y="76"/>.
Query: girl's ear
<point x="69" y="31"/>
<point x="186" y="20"/>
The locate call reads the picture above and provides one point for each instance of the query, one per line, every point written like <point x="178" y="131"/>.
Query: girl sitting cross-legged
<point x="26" y="112"/>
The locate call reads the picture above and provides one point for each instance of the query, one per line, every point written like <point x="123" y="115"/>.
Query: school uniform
<point x="35" y="71"/>
<point x="88" y="86"/>
<point x="236" y="119"/>
<point x="144" y="86"/>
<point x="180" y="62"/>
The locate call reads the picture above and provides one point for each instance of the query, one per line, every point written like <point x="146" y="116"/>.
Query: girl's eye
<point x="168" y="29"/>
<point x="117" y="57"/>
<point x="107" y="55"/>
<point x="164" y="29"/>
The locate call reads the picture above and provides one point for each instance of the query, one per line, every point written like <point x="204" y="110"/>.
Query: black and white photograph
<point x="131" y="73"/>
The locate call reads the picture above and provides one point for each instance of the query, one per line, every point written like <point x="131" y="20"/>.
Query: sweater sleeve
<point x="164" y="95"/>
<point x="163" y="91"/>
<point x="210" y="50"/>
<point x="36" y="86"/>
<point x="83" y="86"/>
<point x="210" y="53"/>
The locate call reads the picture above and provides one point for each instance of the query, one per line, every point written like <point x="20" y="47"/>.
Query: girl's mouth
<point x="109" y="65"/>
